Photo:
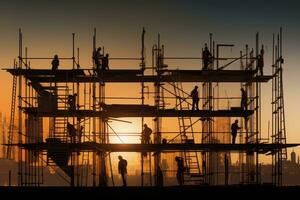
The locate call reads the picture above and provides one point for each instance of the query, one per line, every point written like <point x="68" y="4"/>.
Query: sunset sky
<point x="184" y="27"/>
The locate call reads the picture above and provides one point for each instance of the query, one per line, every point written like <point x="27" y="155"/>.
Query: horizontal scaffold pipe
<point x="136" y="76"/>
<point x="138" y="111"/>
<point x="46" y="58"/>
<point x="93" y="146"/>
<point x="200" y="58"/>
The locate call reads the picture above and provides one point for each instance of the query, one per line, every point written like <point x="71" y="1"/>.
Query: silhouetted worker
<point x="160" y="177"/>
<point x="72" y="102"/>
<point x="203" y="167"/>
<point x="234" y="128"/>
<point x="80" y="132"/>
<point x="206" y="57"/>
<point x="55" y="62"/>
<point x="180" y="170"/>
<point x="226" y="164"/>
<point x="71" y="132"/>
<point x="146" y="135"/>
<point x="260" y="61"/>
<point x="96" y="57"/>
<point x="195" y="98"/>
<point x="104" y="60"/>
<point x="252" y="60"/>
<point x="244" y="99"/>
<point x="122" y="166"/>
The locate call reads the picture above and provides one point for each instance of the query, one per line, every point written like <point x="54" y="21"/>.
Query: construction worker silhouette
<point x="206" y="57"/>
<point x="180" y="170"/>
<point x="260" y="61"/>
<point x="80" y="132"/>
<point x="226" y="164"/>
<point x="195" y="98"/>
<point x="146" y="135"/>
<point x="72" y="102"/>
<point x="234" y="128"/>
<point x="96" y="58"/>
<point x="122" y="166"/>
<point x="55" y="62"/>
<point x="160" y="177"/>
<point x="244" y="99"/>
<point x="71" y="132"/>
<point x="105" y="61"/>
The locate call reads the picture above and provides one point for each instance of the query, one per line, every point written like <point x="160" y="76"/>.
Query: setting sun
<point x="125" y="132"/>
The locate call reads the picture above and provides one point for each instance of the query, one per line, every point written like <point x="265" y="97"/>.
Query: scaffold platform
<point x="136" y="76"/>
<point x="139" y="111"/>
<point x="92" y="146"/>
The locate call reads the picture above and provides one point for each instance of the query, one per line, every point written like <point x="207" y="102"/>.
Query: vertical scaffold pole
<point x="94" y="119"/>
<point x="142" y="98"/>
<point x="20" y="141"/>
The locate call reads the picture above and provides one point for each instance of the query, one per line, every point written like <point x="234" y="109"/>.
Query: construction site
<point x="47" y="103"/>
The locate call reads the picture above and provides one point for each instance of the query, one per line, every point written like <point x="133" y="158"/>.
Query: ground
<point x="203" y="192"/>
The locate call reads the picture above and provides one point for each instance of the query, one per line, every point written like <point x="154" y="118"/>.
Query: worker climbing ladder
<point x="59" y="154"/>
<point x="193" y="174"/>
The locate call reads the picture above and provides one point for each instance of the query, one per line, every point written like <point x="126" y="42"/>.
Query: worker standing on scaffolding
<point x="80" y="132"/>
<point x="71" y="132"/>
<point x="180" y="170"/>
<point x="72" y="102"/>
<point x="160" y="177"/>
<point x="244" y="99"/>
<point x="234" y="128"/>
<point x="97" y="57"/>
<point x="122" y="167"/>
<point x="260" y="61"/>
<point x="55" y="63"/>
<point x="146" y="135"/>
<point x="206" y="57"/>
<point x="195" y="98"/>
<point x="105" y="61"/>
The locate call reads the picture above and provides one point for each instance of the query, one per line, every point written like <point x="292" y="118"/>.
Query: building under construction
<point x="49" y="102"/>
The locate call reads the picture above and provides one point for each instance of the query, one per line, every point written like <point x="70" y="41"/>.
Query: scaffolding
<point x="75" y="99"/>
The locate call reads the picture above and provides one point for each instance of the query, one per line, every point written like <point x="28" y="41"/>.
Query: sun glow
<point x="124" y="132"/>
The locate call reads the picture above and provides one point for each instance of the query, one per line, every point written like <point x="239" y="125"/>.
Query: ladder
<point x="193" y="174"/>
<point x="280" y="109"/>
<point x="84" y="168"/>
<point x="207" y="130"/>
<point x="12" y="117"/>
<point x="279" y="135"/>
<point x="60" y="129"/>
<point x="278" y="112"/>
<point x="206" y="136"/>
<point x="86" y="165"/>
<point x="60" y="123"/>
<point x="59" y="155"/>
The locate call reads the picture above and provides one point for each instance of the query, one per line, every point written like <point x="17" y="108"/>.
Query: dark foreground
<point x="229" y="192"/>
